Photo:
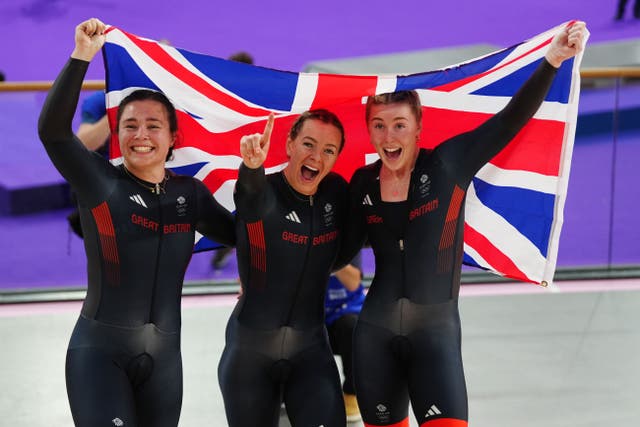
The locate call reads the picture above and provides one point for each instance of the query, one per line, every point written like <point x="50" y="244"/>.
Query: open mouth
<point x="392" y="153"/>
<point x="142" y="149"/>
<point x="309" y="173"/>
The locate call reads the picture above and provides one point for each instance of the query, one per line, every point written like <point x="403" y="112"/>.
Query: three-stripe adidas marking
<point x="138" y="199"/>
<point x="432" y="411"/>
<point x="367" y="200"/>
<point x="293" y="216"/>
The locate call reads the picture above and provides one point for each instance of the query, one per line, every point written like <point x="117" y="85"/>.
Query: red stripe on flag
<point x="217" y="177"/>
<point x="335" y="89"/>
<point x="161" y="57"/>
<point x="114" y="145"/>
<point x="357" y="144"/>
<point x="458" y="83"/>
<point x="536" y="148"/>
<point x="488" y="251"/>
<point x="192" y="134"/>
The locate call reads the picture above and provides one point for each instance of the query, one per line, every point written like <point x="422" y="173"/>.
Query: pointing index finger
<point x="268" y="128"/>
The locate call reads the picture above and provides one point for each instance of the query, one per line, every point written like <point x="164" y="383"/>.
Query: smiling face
<point x="312" y="153"/>
<point x="394" y="131"/>
<point x="145" y="136"/>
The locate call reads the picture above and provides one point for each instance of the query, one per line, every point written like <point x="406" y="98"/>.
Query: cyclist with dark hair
<point x="288" y="228"/>
<point x="123" y="363"/>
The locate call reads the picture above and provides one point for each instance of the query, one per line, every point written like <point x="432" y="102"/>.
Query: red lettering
<point x="430" y="206"/>
<point x="325" y="238"/>
<point x="374" y="219"/>
<point x="144" y="222"/>
<point x="176" y="228"/>
<point x="300" y="239"/>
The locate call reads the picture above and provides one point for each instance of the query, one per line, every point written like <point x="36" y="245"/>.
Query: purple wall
<point x="36" y="36"/>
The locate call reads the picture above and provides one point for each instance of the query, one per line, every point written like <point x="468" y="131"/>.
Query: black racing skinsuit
<point x="407" y="341"/>
<point x="276" y="341"/>
<point x="123" y="362"/>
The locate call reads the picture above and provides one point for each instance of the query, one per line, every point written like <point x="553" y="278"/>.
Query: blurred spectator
<point x="94" y="133"/>
<point x="242" y="57"/>
<point x="343" y="302"/>
<point x="622" y="5"/>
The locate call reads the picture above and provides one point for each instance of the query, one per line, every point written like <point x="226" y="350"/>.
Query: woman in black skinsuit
<point x="410" y="205"/>
<point x="288" y="227"/>
<point x="123" y="365"/>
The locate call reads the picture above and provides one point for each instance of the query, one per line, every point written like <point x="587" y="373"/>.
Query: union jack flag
<point x="514" y="207"/>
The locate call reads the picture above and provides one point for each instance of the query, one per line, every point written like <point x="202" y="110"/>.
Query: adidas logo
<point x="293" y="216"/>
<point x="138" y="199"/>
<point x="367" y="200"/>
<point x="432" y="411"/>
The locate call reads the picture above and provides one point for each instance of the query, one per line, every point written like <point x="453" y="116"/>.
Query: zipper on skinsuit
<point x="158" y="251"/>
<point x="401" y="242"/>
<point x="304" y="266"/>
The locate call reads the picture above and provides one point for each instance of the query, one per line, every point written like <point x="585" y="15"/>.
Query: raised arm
<point x="474" y="149"/>
<point x="79" y="166"/>
<point x="60" y="106"/>
<point x="251" y="176"/>
<point x="566" y="44"/>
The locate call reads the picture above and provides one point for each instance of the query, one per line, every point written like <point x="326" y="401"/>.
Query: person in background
<point x="242" y="56"/>
<point x="622" y="5"/>
<point x="94" y="133"/>
<point x="94" y="129"/>
<point x="343" y="302"/>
